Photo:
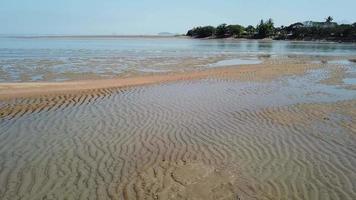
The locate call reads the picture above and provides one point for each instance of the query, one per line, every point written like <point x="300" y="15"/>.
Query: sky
<point x="136" y="17"/>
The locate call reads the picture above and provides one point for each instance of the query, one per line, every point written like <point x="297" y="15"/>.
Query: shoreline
<point x="93" y="36"/>
<point x="260" y="72"/>
<point x="271" y="39"/>
<point x="30" y="89"/>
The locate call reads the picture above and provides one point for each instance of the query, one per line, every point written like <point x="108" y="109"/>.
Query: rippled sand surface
<point x="223" y="137"/>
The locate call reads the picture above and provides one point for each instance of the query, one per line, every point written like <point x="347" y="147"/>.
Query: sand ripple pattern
<point x="131" y="144"/>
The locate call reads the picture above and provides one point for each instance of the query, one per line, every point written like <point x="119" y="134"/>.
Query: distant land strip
<point x="309" y="31"/>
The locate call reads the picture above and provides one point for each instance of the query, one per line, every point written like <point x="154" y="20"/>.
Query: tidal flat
<point x="284" y="128"/>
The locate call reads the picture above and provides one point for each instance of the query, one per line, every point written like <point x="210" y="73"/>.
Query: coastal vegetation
<point x="308" y="30"/>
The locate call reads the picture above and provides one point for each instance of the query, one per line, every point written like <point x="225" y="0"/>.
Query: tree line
<point x="309" y="30"/>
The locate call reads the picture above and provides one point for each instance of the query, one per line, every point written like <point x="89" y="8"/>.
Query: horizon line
<point x="86" y="35"/>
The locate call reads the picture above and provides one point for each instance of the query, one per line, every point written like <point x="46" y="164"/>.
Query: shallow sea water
<point x="71" y="58"/>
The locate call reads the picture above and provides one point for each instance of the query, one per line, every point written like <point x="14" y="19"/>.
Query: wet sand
<point x="277" y="130"/>
<point x="241" y="72"/>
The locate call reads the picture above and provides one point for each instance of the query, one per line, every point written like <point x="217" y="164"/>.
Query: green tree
<point x="235" y="30"/>
<point x="250" y="31"/>
<point x="329" y="19"/>
<point x="221" y="31"/>
<point x="309" y="30"/>
<point x="201" y="32"/>
<point x="265" y="29"/>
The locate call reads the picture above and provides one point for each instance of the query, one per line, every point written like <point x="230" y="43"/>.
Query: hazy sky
<point x="153" y="16"/>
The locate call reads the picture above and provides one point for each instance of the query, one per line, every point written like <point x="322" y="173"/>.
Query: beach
<point x="177" y="100"/>
<point x="281" y="129"/>
<point x="164" y="122"/>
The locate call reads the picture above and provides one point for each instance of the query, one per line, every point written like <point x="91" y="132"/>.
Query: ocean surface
<point x="71" y="58"/>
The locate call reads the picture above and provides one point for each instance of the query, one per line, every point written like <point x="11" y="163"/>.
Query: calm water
<point x="63" y="58"/>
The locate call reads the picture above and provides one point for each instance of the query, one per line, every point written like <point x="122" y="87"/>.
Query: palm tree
<point x="329" y="19"/>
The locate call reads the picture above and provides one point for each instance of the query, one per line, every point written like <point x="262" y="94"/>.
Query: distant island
<point x="308" y="30"/>
<point x="166" y="34"/>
